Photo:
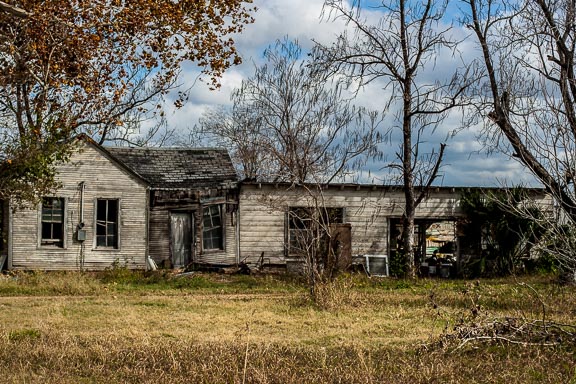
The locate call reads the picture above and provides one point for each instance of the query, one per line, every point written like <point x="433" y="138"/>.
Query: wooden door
<point x="181" y="238"/>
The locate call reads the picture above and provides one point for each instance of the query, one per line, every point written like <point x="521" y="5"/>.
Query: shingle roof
<point x="178" y="168"/>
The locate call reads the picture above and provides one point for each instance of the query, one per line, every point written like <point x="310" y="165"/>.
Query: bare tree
<point x="288" y="124"/>
<point x="528" y="98"/>
<point x="240" y="131"/>
<point x="396" y="52"/>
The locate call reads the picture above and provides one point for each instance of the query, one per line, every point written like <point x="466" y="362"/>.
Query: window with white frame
<point x="52" y="221"/>
<point x="107" y="219"/>
<point x="212" y="227"/>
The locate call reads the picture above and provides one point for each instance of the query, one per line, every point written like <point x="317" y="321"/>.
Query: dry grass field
<point x="124" y="327"/>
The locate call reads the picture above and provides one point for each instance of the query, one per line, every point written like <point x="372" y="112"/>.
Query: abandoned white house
<point x="192" y="206"/>
<point x="123" y="205"/>
<point x="273" y="215"/>
<point x="179" y="207"/>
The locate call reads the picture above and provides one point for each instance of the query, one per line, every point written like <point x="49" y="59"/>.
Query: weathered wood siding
<point x="368" y="210"/>
<point x="160" y="250"/>
<point x="103" y="178"/>
<point x="159" y="235"/>
<point x="227" y="256"/>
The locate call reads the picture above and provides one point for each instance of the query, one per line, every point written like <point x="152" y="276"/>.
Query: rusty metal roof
<point x="179" y="168"/>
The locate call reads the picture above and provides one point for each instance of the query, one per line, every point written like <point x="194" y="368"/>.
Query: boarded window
<point x="53" y="221"/>
<point x="212" y="230"/>
<point x="107" y="223"/>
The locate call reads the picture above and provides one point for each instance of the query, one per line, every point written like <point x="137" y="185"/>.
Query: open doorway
<point x="435" y="250"/>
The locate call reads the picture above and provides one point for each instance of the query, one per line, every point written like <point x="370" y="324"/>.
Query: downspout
<point x="238" y="216"/>
<point x="238" y="234"/>
<point x="149" y="263"/>
<point x="80" y="226"/>
<point x="10" y="234"/>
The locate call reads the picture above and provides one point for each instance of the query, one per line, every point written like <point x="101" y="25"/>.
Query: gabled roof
<point x="89" y="141"/>
<point x="178" y="168"/>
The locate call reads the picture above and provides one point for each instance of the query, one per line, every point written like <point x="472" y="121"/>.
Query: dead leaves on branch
<point x="83" y="66"/>
<point x="80" y="53"/>
<point x="197" y="30"/>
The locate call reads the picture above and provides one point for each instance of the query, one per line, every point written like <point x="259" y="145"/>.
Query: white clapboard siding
<point x="262" y="219"/>
<point x="103" y="178"/>
<point x="368" y="209"/>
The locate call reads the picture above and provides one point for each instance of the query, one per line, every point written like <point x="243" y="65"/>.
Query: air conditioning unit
<point x="377" y="265"/>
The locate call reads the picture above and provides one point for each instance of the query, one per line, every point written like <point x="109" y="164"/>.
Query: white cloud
<point x="300" y="19"/>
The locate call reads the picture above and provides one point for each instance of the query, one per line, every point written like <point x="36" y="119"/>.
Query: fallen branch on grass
<point x="500" y="338"/>
<point x="516" y="331"/>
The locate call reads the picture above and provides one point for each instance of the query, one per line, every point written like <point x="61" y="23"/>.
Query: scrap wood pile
<point x="509" y="330"/>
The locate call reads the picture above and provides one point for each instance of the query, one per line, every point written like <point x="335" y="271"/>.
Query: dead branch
<point x="511" y="330"/>
<point x="14" y="10"/>
<point x="500" y="338"/>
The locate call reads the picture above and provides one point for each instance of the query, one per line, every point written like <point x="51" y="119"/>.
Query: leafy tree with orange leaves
<point x="70" y="66"/>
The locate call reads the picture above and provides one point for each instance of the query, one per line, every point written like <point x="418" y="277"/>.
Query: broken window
<point x="212" y="230"/>
<point x="299" y="230"/>
<point x="107" y="223"/>
<point x="303" y="223"/>
<point x="53" y="221"/>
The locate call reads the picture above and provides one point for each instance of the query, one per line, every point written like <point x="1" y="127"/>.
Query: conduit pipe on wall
<point x="82" y="187"/>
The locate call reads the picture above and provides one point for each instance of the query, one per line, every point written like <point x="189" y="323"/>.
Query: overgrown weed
<point x="109" y="359"/>
<point x="529" y="321"/>
<point x="23" y="334"/>
<point x="124" y="280"/>
<point x="48" y="284"/>
<point x="144" y="327"/>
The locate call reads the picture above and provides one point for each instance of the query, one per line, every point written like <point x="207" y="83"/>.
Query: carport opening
<point x="435" y="245"/>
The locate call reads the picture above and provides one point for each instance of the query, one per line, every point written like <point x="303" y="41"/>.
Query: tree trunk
<point x="408" y="242"/>
<point x="410" y="206"/>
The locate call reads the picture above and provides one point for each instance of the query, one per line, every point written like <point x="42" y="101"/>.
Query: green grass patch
<point x="23" y="334"/>
<point x="121" y="280"/>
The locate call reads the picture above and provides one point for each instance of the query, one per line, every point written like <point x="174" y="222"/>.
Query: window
<point x="107" y="223"/>
<point x="212" y="231"/>
<point x="299" y="229"/>
<point x="53" y="221"/>
<point x="302" y="222"/>
<point x="333" y="215"/>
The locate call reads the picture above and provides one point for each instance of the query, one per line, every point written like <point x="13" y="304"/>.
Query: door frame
<point x="192" y="235"/>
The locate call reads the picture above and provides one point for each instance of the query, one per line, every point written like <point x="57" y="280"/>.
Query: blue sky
<point x="465" y="163"/>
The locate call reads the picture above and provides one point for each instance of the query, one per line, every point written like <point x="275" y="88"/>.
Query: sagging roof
<point x="179" y="168"/>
